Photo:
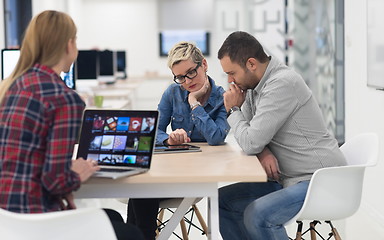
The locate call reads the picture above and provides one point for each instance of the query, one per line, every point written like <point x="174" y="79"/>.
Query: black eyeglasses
<point x="191" y="74"/>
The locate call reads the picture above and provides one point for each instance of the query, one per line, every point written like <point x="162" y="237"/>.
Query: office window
<point x="306" y="35"/>
<point x="17" y="14"/>
<point x="317" y="53"/>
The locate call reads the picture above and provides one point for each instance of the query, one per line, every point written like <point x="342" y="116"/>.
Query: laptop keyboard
<point x="115" y="170"/>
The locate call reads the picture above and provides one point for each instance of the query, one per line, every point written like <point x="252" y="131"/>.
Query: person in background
<point x="193" y="105"/>
<point x="39" y="122"/>
<point x="274" y="116"/>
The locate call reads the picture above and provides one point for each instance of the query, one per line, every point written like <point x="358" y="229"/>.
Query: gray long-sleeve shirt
<point x="281" y="113"/>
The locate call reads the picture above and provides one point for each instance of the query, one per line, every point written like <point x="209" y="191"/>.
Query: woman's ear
<point x="204" y="64"/>
<point x="69" y="45"/>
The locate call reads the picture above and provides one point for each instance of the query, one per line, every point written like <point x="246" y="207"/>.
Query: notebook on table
<point x="122" y="141"/>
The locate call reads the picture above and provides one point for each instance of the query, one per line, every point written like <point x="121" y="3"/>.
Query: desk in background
<point x="120" y="95"/>
<point x="183" y="175"/>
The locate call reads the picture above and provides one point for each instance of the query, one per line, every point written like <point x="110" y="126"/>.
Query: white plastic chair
<point x="79" y="224"/>
<point x="335" y="193"/>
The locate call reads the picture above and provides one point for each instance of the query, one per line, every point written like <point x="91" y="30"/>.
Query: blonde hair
<point x="184" y="51"/>
<point x="45" y="42"/>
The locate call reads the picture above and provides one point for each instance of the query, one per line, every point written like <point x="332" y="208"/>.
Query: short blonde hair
<point x="184" y="51"/>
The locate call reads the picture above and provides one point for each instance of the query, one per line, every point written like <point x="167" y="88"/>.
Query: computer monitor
<point x="87" y="64"/>
<point x="9" y="58"/>
<point x="69" y="77"/>
<point x="107" y="66"/>
<point x="121" y="65"/>
<point x="169" y="38"/>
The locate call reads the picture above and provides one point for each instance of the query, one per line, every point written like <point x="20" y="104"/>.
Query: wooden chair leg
<point x="201" y="219"/>
<point x="334" y="231"/>
<point x="299" y="230"/>
<point x="312" y="226"/>
<point x="160" y="217"/>
<point x="184" y="229"/>
<point x="336" y="234"/>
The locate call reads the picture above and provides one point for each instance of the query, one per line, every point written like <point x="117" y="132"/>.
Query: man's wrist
<point x="232" y="110"/>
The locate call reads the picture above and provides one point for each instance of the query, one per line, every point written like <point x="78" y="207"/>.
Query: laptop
<point x="122" y="141"/>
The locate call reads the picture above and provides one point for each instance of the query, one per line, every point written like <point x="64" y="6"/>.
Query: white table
<point x="183" y="175"/>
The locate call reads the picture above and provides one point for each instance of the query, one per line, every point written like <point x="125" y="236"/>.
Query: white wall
<point x="41" y="5"/>
<point x="364" y="107"/>
<point x="134" y="25"/>
<point x="125" y="25"/>
<point x="115" y="25"/>
<point x="184" y="11"/>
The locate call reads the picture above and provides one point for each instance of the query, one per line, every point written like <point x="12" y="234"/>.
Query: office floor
<point x="360" y="226"/>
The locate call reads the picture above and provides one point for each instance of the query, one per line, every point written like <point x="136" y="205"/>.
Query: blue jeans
<point x="258" y="210"/>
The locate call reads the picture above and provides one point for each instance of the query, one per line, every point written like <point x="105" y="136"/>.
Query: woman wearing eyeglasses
<point x="194" y="107"/>
<point x="194" y="104"/>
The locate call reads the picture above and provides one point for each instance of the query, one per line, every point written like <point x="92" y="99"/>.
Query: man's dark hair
<point x="240" y="46"/>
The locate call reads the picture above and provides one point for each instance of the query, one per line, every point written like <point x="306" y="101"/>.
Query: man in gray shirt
<point x="273" y="115"/>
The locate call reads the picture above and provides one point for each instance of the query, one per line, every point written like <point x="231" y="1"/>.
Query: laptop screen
<point x="118" y="137"/>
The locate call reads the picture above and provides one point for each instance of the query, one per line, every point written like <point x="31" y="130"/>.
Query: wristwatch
<point x="233" y="109"/>
<point x="195" y="104"/>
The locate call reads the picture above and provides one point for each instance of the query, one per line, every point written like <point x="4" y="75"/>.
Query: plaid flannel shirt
<point x="39" y="123"/>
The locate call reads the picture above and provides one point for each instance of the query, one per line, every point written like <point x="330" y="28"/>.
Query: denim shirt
<point x="204" y="123"/>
